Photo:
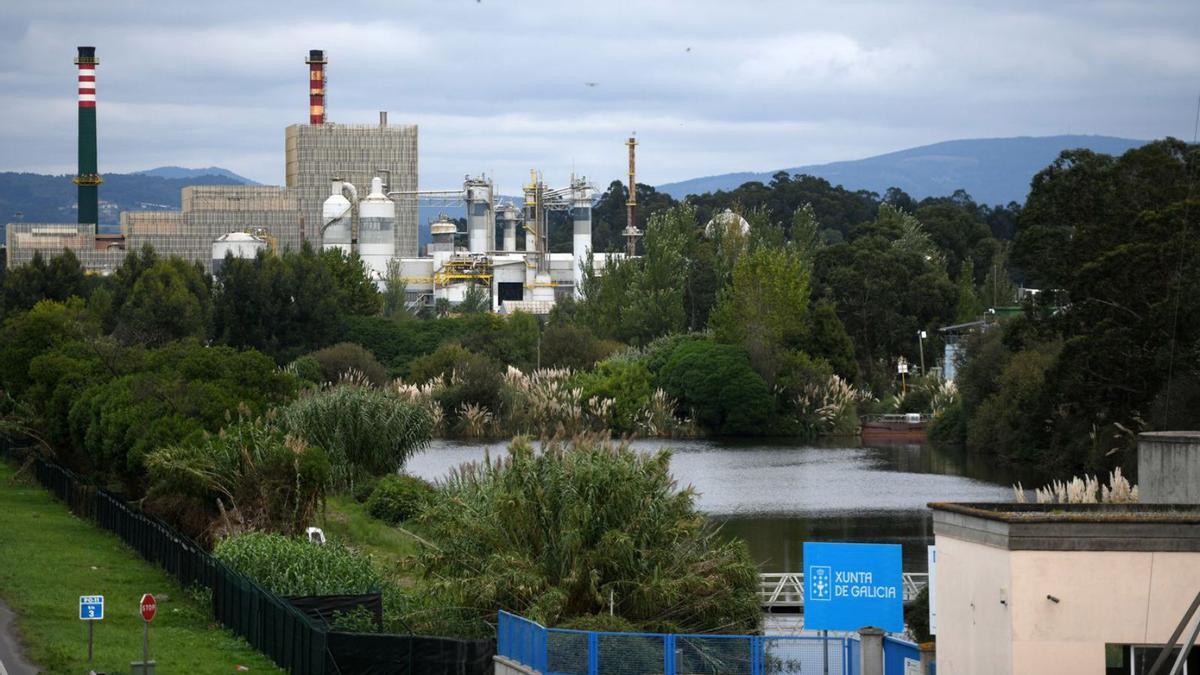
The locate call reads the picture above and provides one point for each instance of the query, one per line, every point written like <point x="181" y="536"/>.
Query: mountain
<point x="181" y="172"/>
<point x="991" y="170"/>
<point x="37" y="198"/>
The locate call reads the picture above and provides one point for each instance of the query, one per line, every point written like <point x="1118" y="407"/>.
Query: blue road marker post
<point x="848" y="586"/>
<point x="91" y="610"/>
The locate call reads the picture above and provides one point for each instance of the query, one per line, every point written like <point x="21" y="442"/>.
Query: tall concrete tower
<point x="87" y="179"/>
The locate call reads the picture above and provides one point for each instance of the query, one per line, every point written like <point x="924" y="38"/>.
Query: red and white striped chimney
<point x="87" y="77"/>
<point x="316" y="86"/>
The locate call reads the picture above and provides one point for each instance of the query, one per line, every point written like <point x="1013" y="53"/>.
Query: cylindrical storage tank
<point x="479" y="208"/>
<point x="509" y="217"/>
<point x="441" y="241"/>
<point x="335" y="220"/>
<point x="376" y="231"/>
<point x="239" y="244"/>
<point x="581" y="241"/>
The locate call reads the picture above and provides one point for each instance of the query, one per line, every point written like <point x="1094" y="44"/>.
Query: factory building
<point x="348" y="187"/>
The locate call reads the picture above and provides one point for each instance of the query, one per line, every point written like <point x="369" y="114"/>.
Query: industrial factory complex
<point x="349" y="187"/>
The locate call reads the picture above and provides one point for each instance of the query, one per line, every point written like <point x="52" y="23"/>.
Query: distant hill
<point x="181" y="172"/>
<point x="992" y="170"/>
<point x="37" y="198"/>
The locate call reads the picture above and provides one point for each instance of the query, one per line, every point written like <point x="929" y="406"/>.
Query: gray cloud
<point x="498" y="85"/>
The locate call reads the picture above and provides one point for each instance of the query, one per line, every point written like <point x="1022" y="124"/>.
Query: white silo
<point x="376" y="230"/>
<point x="441" y="241"/>
<point x="479" y="213"/>
<point x="508" y="216"/>
<point x="239" y="244"/>
<point x="581" y="219"/>
<point x="336" y="219"/>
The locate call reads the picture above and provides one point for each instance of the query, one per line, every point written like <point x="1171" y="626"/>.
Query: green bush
<point x="399" y="498"/>
<point x="307" y="369"/>
<point x="367" y="432"/>
<point x="627" y="383"/>
<point x="296" y="566"/>
<point x="471" y="379"/>
<point x="554" y="534"/>
<point x="249" y="476"/>
<point x="347" y="357"/>
<point x="717" y="386"/>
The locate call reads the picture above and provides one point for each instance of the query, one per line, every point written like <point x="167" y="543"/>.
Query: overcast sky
<point x="499" y="86"/>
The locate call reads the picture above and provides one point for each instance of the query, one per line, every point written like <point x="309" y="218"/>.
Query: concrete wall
<point x="974" y="628"/>
<point x="1104" y="597"/>
<point x="1169" y="467"/>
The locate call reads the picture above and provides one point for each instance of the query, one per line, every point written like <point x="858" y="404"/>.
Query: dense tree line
<point x="1109" y="348"/>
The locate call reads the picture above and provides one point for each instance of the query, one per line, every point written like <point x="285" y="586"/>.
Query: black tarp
<point x="366" y="654"/>
<point x="323" y="607"/>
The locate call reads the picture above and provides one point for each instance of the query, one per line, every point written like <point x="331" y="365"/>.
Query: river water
<point x="776" y="496"/>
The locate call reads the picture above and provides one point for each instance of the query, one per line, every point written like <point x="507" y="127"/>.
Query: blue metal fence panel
<point x="557" y="651"/>
<point x="895" y="653"/>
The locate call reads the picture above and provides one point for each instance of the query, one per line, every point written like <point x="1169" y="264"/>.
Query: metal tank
<point x="478" y="193"/>
<point x="581" y="219"/>
<point x="508" y="216"/>
<point x="441" y="241"/>
<point x="376" y="231"/>
<point x="240" y="244"/>
<point x="336" y="219"/>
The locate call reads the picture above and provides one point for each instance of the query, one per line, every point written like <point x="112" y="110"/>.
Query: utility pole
<point x="921" y="335"/>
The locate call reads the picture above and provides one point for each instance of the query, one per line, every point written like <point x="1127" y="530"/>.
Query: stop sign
<point x="149" y="607"/>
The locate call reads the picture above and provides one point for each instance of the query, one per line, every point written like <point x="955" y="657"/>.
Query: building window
<point x="1137" y="659"/>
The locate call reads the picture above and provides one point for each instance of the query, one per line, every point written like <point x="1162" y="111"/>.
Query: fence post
<point x="872" y="650"/>
<point x="669" y="655"/>
<point x="756" y="654"/>
<point x="593" y="644"/>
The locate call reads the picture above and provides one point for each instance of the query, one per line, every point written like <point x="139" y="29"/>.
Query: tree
<point x="169" y="301"/>
<point x="969" y="307"/>
<point x="583" y="529"/>
<point x="37" y="280"/>
<point x="717" y="386"/>
<point x="358" y="292"/>
<point x="765" y="307"/>
<point x="284" y="305"/>
<point x="395" y="293"/>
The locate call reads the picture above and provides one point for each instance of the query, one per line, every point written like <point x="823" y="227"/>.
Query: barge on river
<point x="902" y="426"/>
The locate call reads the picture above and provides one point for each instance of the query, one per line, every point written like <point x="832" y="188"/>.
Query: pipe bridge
<point x="784" y="591"/>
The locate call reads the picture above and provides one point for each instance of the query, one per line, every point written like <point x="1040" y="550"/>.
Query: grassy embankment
<point x="48" y="558"/>
<point x="348" y="522"/>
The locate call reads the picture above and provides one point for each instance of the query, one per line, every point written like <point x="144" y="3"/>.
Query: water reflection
<point x="778" y="495"/>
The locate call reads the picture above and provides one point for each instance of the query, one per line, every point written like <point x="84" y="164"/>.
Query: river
<point x="776" y="496"/>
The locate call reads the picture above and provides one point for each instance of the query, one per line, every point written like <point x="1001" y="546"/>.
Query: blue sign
<point x="849" y="586"/>
<point x="91" y="607"/>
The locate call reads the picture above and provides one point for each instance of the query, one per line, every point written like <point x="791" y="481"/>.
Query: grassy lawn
<point x="48" y="558"/>
<point x="348" y="522"/>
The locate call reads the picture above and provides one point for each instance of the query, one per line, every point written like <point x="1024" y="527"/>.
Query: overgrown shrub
<point x="555" y="534"/>
<point x="627" y="383"/>
<point x="399" y="498"/>
<point x="296" y="566"/>
<point x="366" y="431"/>
<point x="347" y="357"/>
<point x="307" y="369"/>
<point x="716" y="384"/>
<point x="250" y="476"/>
